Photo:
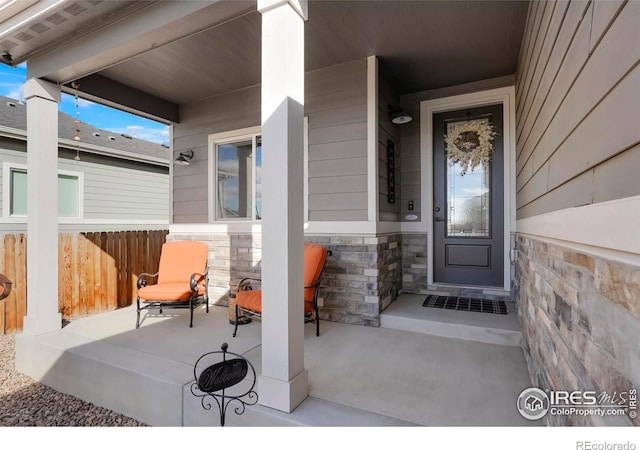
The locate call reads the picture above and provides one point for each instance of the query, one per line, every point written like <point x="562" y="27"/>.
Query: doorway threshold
<point x="479" y="292"/>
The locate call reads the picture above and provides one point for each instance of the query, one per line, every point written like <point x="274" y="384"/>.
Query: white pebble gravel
<point x="25" y="402"/>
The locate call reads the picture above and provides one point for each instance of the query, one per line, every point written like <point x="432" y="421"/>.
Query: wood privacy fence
<point x="97" y="272"/>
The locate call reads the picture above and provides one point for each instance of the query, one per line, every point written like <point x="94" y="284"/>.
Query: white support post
<point x="283" y="384"/>
<point x="42" y="208"/>
<point x="373" y="190"/>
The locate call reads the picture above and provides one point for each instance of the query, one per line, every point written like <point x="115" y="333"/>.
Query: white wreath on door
<point x="470" y="143"/>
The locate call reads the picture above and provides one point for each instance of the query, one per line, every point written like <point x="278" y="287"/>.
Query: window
<point x="69" y="192"/>
<point x="68" y="195"/>
<point x="235" y="174"/>
<point x="238" y="179"/>
<point x="18" y="193"/>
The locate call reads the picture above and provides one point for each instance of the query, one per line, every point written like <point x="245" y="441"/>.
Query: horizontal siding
<point x="410" y="162"/>
<point x="112" y="192"/>
<point x="388" y="131"/>
<point x="335" y="103"/>
<point x="580" y="125"/>
<point x="617" y="177"/>
<point x="13" y="228"/>
<point x="337" y="184"/>
<point x="230" y="111"/>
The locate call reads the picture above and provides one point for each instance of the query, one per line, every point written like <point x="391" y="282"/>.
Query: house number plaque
<point x="391" y="172"/>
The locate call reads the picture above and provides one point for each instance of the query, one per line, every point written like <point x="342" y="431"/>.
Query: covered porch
<point x="313" y="87"/>
<point x="359" y="376"/>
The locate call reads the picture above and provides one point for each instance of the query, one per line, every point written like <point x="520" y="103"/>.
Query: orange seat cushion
<point x="251" y="300"/>
<point x="167" y="292"/>
<point x="314" y="258"/>
<point x="180" y="259"/>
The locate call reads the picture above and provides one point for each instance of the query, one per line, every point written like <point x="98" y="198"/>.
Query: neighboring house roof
<point x="13" y="115"/>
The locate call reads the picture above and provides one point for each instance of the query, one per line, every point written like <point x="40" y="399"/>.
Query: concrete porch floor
<point x="359" y="376"/>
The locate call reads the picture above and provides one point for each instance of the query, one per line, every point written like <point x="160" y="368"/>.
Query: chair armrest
<point x="245" y="279"/>
<point x="142" y="282"/>
<point x="195" y="280"/>
<point x="313" y="284"/>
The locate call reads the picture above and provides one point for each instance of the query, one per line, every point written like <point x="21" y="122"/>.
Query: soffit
<point x="421" y="45"/>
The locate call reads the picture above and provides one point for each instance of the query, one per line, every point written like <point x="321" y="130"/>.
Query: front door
<point x="468" y="228"/>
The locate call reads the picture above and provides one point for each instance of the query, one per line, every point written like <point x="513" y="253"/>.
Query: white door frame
<point x="504" y="96"/>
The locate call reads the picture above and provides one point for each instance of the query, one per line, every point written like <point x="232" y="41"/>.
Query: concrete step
<point x="407" y="313"/>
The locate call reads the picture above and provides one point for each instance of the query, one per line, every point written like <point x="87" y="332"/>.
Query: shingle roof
<point x="13" y="114"/>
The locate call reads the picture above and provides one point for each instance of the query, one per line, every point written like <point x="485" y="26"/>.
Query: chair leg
<point x="191" y="310"/>
<point x="235" y="329"/>
<point x="138" y="311"/>
<point x="317" y="319"/>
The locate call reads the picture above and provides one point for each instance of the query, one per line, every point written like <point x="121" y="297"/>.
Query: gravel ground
<point x="25" y="402"/>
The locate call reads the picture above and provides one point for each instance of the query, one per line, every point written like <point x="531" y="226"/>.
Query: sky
<point x="99" y="116"/>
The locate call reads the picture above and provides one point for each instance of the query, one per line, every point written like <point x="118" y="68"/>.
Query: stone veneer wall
<point x="580" y="316"/>
<point x="231" y="258"/>
<point x="362" y="277"/>
<point x="414" y="263"/>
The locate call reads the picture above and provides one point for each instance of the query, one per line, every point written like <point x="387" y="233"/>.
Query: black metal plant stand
<point x="229" y="380"/>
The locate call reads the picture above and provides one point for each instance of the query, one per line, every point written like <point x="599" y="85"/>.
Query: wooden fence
<point x="97" y="272"/>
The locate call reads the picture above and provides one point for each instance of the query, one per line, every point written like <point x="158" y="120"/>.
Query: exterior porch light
<point x="184" y="159"/>
<point x="398" y="116"/>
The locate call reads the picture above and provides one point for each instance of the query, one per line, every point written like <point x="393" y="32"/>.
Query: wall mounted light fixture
<point x="398" y="116"/>
<point x="184" y="159"/>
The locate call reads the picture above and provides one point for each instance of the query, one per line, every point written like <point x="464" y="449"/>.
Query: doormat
<point x="465" y="304"/>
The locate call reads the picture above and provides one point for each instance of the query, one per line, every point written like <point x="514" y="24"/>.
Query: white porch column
<point x="283" y="384"/>
<point x="42" y="208"/>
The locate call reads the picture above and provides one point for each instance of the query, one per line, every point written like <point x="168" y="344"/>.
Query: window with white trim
<point x="235" y="174"/>
<point x="15" y="188"/>
<point x="237" y="179"/>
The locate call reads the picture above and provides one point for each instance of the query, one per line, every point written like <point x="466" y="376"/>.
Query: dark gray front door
<point x="468" y="228"/>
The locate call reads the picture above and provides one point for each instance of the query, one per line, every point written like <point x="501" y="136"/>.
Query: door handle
<point x="439" y="219"/>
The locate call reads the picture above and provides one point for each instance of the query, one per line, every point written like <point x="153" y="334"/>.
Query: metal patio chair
<point x="249" y="302"/>
<point x="182" y="279"/>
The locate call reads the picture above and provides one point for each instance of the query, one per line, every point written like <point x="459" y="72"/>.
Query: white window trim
<point x="236" y="135"/>
<point x="7" y="167"/>
<point x="214" y="141"/>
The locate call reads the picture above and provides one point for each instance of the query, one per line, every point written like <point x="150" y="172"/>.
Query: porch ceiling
<point x="421" y="44"/>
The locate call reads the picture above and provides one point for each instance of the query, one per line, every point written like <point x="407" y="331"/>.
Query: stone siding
<point x="231" y="258"/>
<point x="414" y="263"/>
<point x="580" y="315"/>
<point x="362" y="276"/>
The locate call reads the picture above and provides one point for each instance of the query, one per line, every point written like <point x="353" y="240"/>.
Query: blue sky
<point x="12" y="79"/>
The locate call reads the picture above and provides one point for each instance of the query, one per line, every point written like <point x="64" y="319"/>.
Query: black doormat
<point x="465" y="304"/>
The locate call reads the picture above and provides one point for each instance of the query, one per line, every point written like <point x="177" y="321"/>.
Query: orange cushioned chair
<point x="249" y="302"/>
<point x="182" y="279"/>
